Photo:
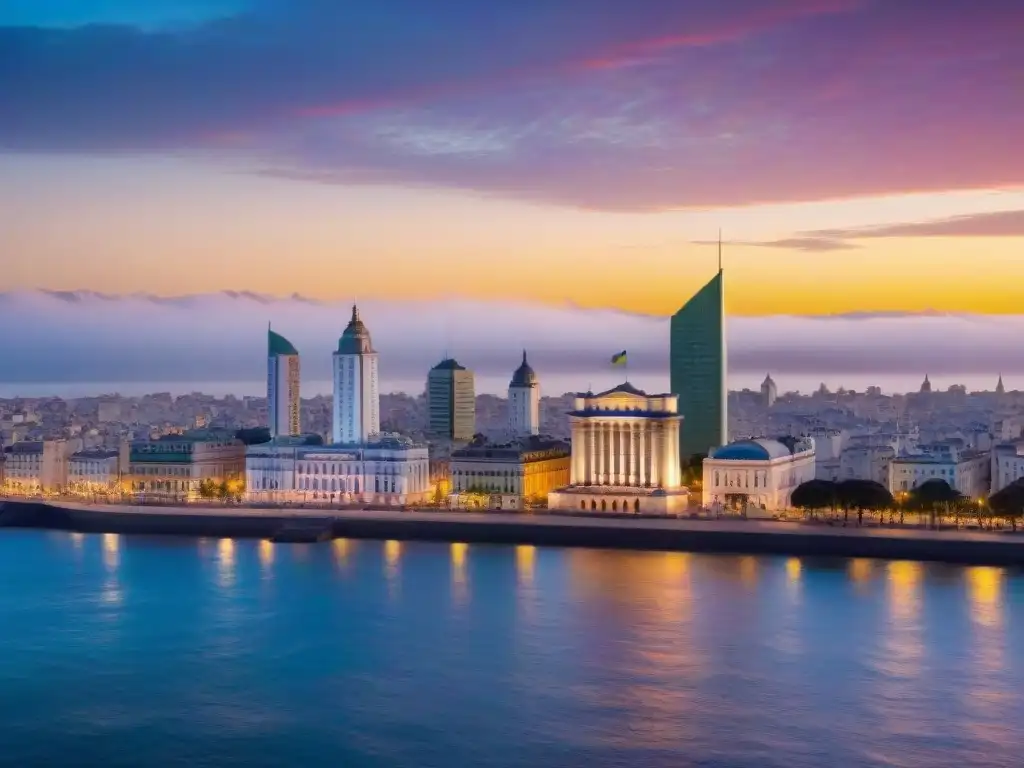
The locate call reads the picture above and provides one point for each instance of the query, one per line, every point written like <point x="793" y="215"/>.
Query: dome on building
<point x="356" y="338"/>
<point x="278" y="345"/>
<point x="752" y="450"/>
<point x="524" y="377"/>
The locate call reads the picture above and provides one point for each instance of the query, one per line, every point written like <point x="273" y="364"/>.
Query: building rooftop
<point x="278" y="345"/>
<point x="529" y="448"/>
<point x="95" y="453"/>
<point x="355" y="340"/>
<point x="524" y="377"/>
<point x="25" y="447"/>
<point x="761" y="449"/>
<point x="448" y="364"/>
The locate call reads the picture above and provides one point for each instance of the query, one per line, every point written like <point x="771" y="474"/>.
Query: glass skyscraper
<point x="697" y="367"/>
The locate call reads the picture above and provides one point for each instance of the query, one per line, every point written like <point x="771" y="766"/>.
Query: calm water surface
<point x="123" y="651"/>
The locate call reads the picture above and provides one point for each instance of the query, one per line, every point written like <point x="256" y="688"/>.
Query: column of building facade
<point x="578" y="453"/>
<point x="631" y="477"/>
<point x="626" y="455"/>
<point x="613" y="453"/>
<point x="641" y="454"/>
<point x="598" y="452"/>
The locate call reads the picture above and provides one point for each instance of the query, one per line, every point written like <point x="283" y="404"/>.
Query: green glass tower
<point x="697" y="369"/>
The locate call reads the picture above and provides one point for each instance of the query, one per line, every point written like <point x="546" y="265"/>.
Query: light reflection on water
<point x="502" y="656"/>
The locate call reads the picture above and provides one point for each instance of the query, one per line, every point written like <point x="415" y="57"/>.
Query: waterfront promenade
<point x="539" y="529"/>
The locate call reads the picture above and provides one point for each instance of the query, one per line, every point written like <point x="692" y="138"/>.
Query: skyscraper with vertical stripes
<point x="283" y="403"/>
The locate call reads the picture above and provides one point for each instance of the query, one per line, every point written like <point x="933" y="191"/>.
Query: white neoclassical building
<point x="625" y="454"/>
<point x="757" y="476"/>
<point x="356" y="417"/>
<point x="390" y="470"/>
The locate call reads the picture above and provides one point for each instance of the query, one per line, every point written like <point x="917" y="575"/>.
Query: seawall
<point x="734" y="537"/>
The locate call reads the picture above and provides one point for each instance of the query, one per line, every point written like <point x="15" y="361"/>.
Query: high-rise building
<point x="356" y="388"/>
<point x="697" y="368"/>
<point x="524" y="401"/>
<point x="283" y="403"/>
<point x="769" y="392"/>
<point x="451" y="402"/>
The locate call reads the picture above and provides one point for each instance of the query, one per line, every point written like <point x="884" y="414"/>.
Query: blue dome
<point x="745" y="450"/>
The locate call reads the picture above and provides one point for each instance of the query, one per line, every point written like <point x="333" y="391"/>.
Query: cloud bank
<point x="83" y="336"/>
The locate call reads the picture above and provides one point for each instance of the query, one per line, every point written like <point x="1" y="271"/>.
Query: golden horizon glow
<point x="150" y="247"/>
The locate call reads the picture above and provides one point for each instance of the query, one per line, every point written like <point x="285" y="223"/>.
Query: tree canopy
<point x="846" y="494"/>
<point x="1009" y="501"/>
<point x="253" y="435"/>
<point x="932" y="493"/>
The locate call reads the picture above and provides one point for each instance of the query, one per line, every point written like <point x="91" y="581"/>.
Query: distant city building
<point x="389" y="470"/>
<point x="186" y="466"/>
<point x="757" y="476"/>
<point x="1007" y="464"/>
<point x="96" y="470"/>
<point x="769" y="392"/>
<point x="451" y="402"/>
<point x="697" y="368"/>
<point x="625" y="454"/>
<point x="36" y="467"/>
<point x="524" y="401"/>
<point x="966" y="471"/>
<point x="926" y="385"/>
<point x="108" y="412"/>
<point x="283" y="398"/>
<point x="519" y="472"/>
<point x="1000" y="389"/>
<point x="356" y="386"/>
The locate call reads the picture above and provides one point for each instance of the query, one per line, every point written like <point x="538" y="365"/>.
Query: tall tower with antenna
<point x="698" y="367"/>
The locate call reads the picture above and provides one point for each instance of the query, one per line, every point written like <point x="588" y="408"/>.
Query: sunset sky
<point x="859" y="155"/>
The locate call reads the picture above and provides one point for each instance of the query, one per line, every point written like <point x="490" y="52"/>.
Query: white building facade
<point x="388" y="471"/>
<point x="1007" y="464"/>
<point x="283" y="379"/>
<point x="94" y="471"/>
<point x="625" y="454"/>
<point x="969" y="472"/>
<point x="36" y="467"/>
<point x="757" y="476"/>
<point x="524" y="402"/>
<point x="356" y="417"/>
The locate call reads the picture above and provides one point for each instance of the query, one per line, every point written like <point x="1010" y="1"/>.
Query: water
<point x="122" y="651"/>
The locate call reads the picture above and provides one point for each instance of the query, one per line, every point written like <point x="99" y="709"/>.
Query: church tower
<point x="1000" y="389"/>
<point x="356" y="416"/>
<point x="524" y="401"/>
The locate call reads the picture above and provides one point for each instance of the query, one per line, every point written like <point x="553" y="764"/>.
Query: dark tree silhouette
<point x="814" y="495"/>
<point x="1009" y="502"/>
<point x="934" y="497"/>
<point x="253" y="435"/>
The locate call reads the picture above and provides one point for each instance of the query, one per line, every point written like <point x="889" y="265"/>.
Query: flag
<point x="620" y="358"/>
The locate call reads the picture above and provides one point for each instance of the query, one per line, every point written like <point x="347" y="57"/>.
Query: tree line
<point x="935" y="498"/>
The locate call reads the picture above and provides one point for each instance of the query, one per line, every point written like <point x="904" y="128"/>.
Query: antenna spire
<point x="719" y="249"/>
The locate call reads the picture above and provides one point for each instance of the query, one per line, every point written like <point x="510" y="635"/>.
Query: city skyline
<point x="835" y="142"/>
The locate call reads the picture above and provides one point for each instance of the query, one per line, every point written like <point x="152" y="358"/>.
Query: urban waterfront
<point x="144" y="651"/>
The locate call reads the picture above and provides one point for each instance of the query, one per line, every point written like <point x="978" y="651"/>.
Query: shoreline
<point x="746" y="537"/>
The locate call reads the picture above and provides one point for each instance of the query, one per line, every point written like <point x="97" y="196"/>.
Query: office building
<point x="451" y="402"/>
<point x="356" y="416"/>
<point x="625" y="454"/>
<point x="697" y="368"/>
<point x="757" y="476"/>
<point x="283" y="401"/>
<point x="524" y="401"/>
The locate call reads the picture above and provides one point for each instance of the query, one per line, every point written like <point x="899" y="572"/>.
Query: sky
<point x="860" y="157"/>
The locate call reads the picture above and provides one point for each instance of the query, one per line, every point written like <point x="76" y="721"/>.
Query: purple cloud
<point x="658" y="105"/>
